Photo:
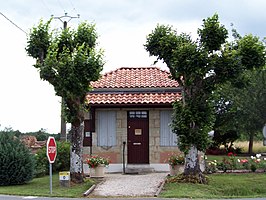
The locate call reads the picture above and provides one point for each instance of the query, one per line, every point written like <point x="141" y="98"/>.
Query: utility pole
<point x="63" y="136"/>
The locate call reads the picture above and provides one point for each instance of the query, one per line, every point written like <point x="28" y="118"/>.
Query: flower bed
<point x="232" y="163"/>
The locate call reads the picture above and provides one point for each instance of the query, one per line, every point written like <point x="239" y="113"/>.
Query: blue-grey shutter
<point x="106" y="128"/>
<point x="163" y="128"/>
<point x="102" y="128"/>
<point x="167" y="137"/>
<point x="111" y="128"/>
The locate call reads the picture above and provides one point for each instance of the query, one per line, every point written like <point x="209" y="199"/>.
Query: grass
<point x="223" y="185"/>
<point x="220" y="186"/>
<point x="219" y="158"/>
<point x="41" y="187"/>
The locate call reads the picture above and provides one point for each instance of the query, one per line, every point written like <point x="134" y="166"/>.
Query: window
<point x="106" y="128"/>
<point x="167" y="137"/>
<point x="138" y="114"/>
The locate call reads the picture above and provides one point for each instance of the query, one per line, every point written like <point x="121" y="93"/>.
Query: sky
<point x="29" y="104"/>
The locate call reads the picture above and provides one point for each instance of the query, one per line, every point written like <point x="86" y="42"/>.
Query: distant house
<point x="132" y="106"/>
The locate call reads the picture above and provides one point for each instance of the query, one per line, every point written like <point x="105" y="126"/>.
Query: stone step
<point x="138" y="169"/>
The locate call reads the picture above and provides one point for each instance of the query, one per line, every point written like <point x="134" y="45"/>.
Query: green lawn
<point x="220" y="186"/>
<point x="41" y="187"/>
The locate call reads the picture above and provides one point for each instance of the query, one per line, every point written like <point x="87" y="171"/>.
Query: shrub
<point x="16" y="161"/>
<point x="230" y="162"/>
<point x="62" y="161"/>
<point x="226" y="138"/>
<point x="215" y="151"/>
<point x="223" y="151"/>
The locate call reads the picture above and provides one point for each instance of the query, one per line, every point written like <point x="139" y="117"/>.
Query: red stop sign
<point x="51" y="149"/>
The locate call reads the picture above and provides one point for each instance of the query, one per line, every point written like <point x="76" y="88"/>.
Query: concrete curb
<point x="160" y="188"/>
<point x="89" y="190"/>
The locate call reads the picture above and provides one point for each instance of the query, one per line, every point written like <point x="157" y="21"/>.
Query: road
<point x="5" y="197"/>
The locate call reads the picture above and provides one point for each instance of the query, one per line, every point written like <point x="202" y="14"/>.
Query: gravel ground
<point x="115" y="185"/>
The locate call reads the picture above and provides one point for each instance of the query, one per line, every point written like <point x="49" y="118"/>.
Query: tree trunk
<point x="250" y="145"/>
<point x="192" y="166"/>
<point x="76" y="163"/>
<point x="63" y="136"/>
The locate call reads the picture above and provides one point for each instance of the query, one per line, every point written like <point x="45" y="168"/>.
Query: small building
<point x="129" y="116"/>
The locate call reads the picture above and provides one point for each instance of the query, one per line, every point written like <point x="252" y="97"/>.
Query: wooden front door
<point x="138" y="137"/>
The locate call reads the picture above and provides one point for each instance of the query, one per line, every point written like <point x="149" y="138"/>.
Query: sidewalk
<point x="118" y="185"/>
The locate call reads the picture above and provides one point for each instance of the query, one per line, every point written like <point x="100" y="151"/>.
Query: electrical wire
<point x="45" y="5"/>
<point x="59" y="2"/>
<point x="72" y="5"/>
<point x="13" y="23"/>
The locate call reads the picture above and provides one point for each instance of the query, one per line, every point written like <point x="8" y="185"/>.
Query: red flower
<point x="230" y="154"/>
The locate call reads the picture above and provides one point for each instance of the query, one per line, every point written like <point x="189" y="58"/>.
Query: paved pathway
<point x="115" y="185"/>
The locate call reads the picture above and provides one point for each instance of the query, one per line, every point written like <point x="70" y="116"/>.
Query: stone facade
<point x="157" y="154"/>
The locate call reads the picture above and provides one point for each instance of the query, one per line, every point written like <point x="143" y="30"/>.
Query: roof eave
<point x="137" y="90"/>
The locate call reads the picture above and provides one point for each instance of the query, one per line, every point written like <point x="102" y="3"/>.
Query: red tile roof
<point x="136" y="78"/>
<point x="136" y="98"/>
<point x="147" y="85"/>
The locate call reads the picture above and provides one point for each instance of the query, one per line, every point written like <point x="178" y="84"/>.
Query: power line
<point x="13" y="23"/>
<point x="72" y="5"/>
<point x="45" y="5"/>
<point x="60" y="4"/>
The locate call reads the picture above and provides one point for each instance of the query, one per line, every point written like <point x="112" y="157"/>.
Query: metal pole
<point x="63" y="136"/>
<point x="124" y="167"/>
<point x="51" y="186"/>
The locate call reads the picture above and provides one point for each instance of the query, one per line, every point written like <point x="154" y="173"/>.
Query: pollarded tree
<point x="69" y="61"/>
<point x="199" y="67"/>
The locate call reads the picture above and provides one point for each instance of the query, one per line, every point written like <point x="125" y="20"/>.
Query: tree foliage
<point x="226" y="127"/>
<point x="69" y="61"/>
<point x="200" y="66"/>
<point x="41" y="135"/>
<point x="244" y="108"/>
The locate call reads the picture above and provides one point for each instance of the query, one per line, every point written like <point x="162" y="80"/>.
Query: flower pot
<point x="176" y="169"/>
<point x="97" y="172"/>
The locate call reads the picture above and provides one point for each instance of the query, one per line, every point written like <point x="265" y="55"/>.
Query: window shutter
<point x="167" y="137"/>
<point x="106" y="128"/>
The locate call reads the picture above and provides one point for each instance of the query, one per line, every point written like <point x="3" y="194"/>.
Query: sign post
<point x="64" y="178"/>
<point x="51" y="155"/>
